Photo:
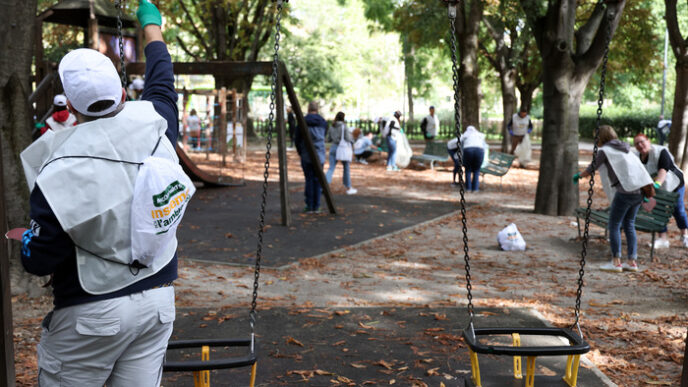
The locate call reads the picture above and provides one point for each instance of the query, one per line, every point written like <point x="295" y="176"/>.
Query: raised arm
<point x="159" y="87"/>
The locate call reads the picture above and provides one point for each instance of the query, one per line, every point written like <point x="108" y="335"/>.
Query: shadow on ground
<point x="362" y="346"/>
<point x="221" y="224"/>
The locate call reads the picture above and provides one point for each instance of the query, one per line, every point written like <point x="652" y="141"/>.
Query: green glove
<point x="148" y="14"/>
<point x="576" y="177"/>
<point x="656" y="184"/>
<point x="646" y="200"/>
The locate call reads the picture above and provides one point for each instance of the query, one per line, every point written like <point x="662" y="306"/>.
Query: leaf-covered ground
<point x="636" y="323"/>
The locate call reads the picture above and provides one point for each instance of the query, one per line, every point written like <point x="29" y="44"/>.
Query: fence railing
<point x="491" y="127"/>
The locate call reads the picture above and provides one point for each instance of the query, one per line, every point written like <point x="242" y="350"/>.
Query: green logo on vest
<point x="163" y="198"/>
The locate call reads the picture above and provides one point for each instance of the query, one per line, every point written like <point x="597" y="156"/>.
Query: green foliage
<point x="627" y="122"/>
<point x="312" y="69"/>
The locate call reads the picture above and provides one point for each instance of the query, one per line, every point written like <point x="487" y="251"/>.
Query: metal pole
<point x="6" y="338"/>
<point x="664" y="72"/>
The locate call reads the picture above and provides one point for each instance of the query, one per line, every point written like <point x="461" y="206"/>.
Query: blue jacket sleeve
<point x="159" y="87"/>
<point x="46" y="245"/>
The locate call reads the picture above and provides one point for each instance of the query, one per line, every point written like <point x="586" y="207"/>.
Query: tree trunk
<point x="467" y="30"/>
<point x="562" y="91"/>
<point x="527" y="92"/>
<point x="679" y="123"/>
<point x="507" y="80"/>
<point x="15" y="116"/>
<point x="409" y="90"/>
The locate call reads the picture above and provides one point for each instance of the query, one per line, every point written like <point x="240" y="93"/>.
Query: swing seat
<point x="577" y="347"/>
<point x="201" y="368"/>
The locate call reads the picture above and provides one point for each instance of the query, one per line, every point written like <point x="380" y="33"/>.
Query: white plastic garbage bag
<point x="510" y="239"/>
<point x="161" y="194"/>
<point x="404" y="151"/>
<point x="524" y="150"/>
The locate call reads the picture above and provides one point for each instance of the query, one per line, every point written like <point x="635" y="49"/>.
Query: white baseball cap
<point x="60" y="100"/>
<point x="88" y="77"/>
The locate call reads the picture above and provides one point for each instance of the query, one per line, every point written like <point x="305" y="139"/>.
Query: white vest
<point x="672" y="180"/>
<point x="628" y="169"/>
<point x="91" y="197"/>
<point x="54" y="125"/>
<point x="519" y="125"/>
<point x="433" y="123"/>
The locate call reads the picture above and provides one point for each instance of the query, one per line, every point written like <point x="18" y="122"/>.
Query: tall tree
<point x="570" y="56"/>
<point x="678" y="144"/>
<point x="511" y="55"/>
<point x="217" y="30"/>
<point x="468" y="17"/>
<point x="17" y="30"/>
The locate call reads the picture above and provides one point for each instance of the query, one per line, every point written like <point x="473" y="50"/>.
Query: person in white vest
<point x="659" y="163"/>
<point x="390" y="132"/>
<point x="519" y="126"/>
<point x="112" y="316"/>
<point x="430" y="125"/>
<point x="624" y="179"/>
<point x="61" y="117"/>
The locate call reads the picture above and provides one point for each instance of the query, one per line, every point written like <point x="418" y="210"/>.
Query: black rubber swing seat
<point x="216" y="364"/>
<point x="577" y="346"/>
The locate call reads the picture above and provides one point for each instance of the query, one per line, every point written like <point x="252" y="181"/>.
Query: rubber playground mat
<point x="364" y="346"/>
<point x="221" y="224"/>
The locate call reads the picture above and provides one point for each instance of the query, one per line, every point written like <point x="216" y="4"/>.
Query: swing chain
<point x="457" y="122"/>
<point x="600" y="102"/>
<point x="119" y="5"/>
<point x="266" y="173"/>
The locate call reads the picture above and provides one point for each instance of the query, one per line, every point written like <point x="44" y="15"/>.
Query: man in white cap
<point x="111" y="319"/>
<point x="61" y="117"/>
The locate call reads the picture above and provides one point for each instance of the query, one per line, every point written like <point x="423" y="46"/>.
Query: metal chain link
<point x="600" y="102"/>
<point x="457" y="122"/>
<point x="123" y="70"/>
<point x="266" y="173"/>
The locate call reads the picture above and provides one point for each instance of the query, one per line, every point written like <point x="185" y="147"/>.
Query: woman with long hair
<point x="623" y="177"/>
<point x="338" y="132"/>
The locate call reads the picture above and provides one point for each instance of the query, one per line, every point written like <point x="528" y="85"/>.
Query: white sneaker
<point x="363" y="162"/>
<point x="661" y="244"/>
<point x="351" y="191"/>
<point x="684" y="240"/>
<point x="610" y="266"/>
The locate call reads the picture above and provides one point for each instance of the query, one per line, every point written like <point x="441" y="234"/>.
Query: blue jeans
<point x="680" y="211"/>
<point x="346" y="178"/>
<point x="392" y="153"/>
<point x="622" y="214"/>
<point x="313" y="190"/>
<point x="473" y="159"/>
<point x="454" y="154"/>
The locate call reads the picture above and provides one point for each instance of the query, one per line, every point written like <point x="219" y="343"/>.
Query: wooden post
<point x="92" y="33"/>
<point x="296" y="108"/>
<point x="282" y="152"/>
<point x="6" y="338"/>
<point x="234" y="123"/>
<point x="684" y="373"/>
<point x="185" y="128"/>
<point x="222" y="136"/>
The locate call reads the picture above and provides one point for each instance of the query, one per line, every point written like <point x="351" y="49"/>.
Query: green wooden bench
<point x="653" y="222"/>
<point x="435" y="151"/>
<point x="498" y="164"/>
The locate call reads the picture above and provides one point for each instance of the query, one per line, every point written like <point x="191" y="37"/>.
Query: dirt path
<point x="636" y="323"/>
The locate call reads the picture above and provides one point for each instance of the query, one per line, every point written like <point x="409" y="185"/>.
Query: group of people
<point x="630" y="178"/>
<point x="346" y="147"/>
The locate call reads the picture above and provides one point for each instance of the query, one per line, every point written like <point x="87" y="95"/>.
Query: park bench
<point x="652" y="222"/>
<point x="435" y="151"/>
<point x="498" y="164"/>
